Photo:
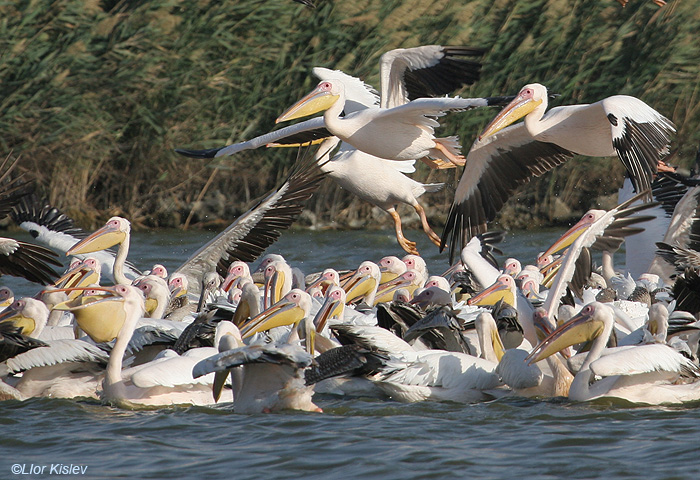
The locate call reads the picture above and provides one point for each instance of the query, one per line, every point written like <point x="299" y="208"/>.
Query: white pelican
<point x="404" y="132"/>
<point x="114" y="315"/>
<point x="364" y="283"/>
<point x="405" y="74"/>
<point x="651" y="374"/>
<point x="593" y="226"/>
<point x="504" y="288"/>
<point x="54" y="229"/>
<point x="157" y="295"/>
<point x="502" y="159"/>
<point x="272" y="378"/>
<point x="117" y="231"/>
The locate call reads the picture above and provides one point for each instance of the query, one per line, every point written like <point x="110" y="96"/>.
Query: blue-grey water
<point x="353" y="438"/>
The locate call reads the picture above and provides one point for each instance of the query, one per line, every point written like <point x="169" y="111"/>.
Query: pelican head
<point x="432" y="295"/>
<point x="503" y="289"/>
<point x="528" y="99"/>
<point x="321" y="98"/>
<point x="178" y="284"/>
<point x="95" y="311"/>
<point x="363" y="283"/>
<point x="328" y="278"/>
<point x="6" y="297"/>
<point x="27" y="314"/>
<point x="291" y="309"/>
<point x="80" y="274"/>
<point x="583" y="327"/>
<point x="391" y="267"/>
<point x="333" y="307"/>
<point x="235" y="271"/>
<point x="588" y="219"/>
<point x="156" y="293"/>
<point x="115" y="231"/>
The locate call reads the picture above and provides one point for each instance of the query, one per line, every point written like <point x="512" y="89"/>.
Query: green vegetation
<point x="96" y="94"/>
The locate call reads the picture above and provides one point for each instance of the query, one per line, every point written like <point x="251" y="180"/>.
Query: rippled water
<point x="354" y="438"/>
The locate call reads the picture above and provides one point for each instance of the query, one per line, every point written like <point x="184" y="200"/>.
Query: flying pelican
<point x="502" y="159"/>
<point x="650" y="374"/>
<point x="400" y="133"/>
<point x="405" y="74"/>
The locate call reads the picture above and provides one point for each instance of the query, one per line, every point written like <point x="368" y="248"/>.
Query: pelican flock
<point x="263" y="336"/>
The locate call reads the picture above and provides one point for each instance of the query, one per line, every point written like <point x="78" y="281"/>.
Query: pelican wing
<point x="58" y="351"/>
<point x="422" y="110"/>
<point x="495" y="167"/>
<point x="313" y="129"/>
<point x="260" y="353"/>
<point x="12" y="342"/>
<point x="427" y="71"/>
<point x="26" y="260"/>
<point x="644" y="359"/>
<point x="640" y="135"/>
<point x="251" y="233"/>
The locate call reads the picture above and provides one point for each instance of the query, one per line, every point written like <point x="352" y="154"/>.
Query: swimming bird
<point x="652" y="374"/>
<point x="502" y="159"/>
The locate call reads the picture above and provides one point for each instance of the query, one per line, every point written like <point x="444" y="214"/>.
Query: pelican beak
<point x="322" y="282"/>
<point x="15" y="317"/>
<point x="280" y="314"/>
<point x="358" y="286"/>
<point x="497" y="343"/>
<point x="100" y="239"/>
<point x="512" y="112"/>
<point x="151" y="305"/>
<point x="553" y="270"/>
<point x="273" y="288"/>
<point x="229" y="281"/>
<point x="309" y="143"/>
<point x="316" y="101"/>
<point x="580" y="328"/>
<point x="95" y="314"/>
<point x="492" y="294"/>
<point x="385" y="293"/>
<point x="77" y="277"/>
<point x="569" y="237"/>
<point x="331" y="308"/>
<point x="7" y="303"/>
<point x="218" y="385"/>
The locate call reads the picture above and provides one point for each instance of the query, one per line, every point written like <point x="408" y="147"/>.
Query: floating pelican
<point x="651" y="374"/>
<point x="117" y="231"/>
<point x="114" y="315"/>
<point x="502" y="159"/>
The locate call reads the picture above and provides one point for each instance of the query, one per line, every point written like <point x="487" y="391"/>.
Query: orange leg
<point x="662" y="166"/>
<point x="406" y="244"/>
<point x="456" y="159"/>
<point x="437" y="163"/>
<point x="426" y="227"/>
